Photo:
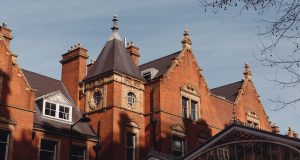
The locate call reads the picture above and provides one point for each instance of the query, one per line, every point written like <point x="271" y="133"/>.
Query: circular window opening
<point x="131" y="98"/>
<point x="97" y="97"/>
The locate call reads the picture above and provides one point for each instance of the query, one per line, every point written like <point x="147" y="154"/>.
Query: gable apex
<point x="56" y="97"/>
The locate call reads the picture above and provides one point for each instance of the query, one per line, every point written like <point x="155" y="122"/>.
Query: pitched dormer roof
<point x="114" y="57"/>
<point x="161" y="64"/>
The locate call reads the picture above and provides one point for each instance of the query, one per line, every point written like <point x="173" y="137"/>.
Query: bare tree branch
<point x="284" y="28"/>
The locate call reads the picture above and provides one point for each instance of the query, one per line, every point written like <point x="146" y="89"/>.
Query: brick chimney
<point x="6" y="33"/>
<point x="74" y="70"/>
<point x="134" y="52"/>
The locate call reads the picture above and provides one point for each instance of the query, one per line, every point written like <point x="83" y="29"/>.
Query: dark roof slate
<point x="229" y="91"/>
<point x="162" y="64"/>
<point x="114" y="57"/>
<point x="44" y="86"/>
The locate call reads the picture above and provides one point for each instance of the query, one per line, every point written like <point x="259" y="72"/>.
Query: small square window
<point x="64" y="112"/>
<point x="50" y="109"/>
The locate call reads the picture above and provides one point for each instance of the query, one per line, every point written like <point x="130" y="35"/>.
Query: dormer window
<point x="149" y="74"/>
<point x="57" y="111"/>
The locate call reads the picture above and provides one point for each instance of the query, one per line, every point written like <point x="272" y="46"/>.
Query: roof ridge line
<point x="41" y="75"/>
<point x="160" y="58"/>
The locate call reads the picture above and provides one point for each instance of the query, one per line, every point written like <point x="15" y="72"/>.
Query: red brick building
<point x="163" y="105"/>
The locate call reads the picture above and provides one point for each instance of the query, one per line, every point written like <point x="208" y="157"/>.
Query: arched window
<point x="97" y="97"/>
<point x="131" y="99"/>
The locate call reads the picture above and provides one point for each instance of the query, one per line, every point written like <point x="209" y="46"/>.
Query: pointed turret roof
<point x="114" y="57"/>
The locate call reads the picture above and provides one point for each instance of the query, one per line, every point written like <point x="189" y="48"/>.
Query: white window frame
<point x="57" y="105"/>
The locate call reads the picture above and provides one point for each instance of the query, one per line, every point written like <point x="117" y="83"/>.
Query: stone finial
<point x="247" y="72"/>
<point x="4" y="25"/>
<point x="186" y="41"/>
<point x="115" y="23"/>
<point x="290" y="133"/>
<point x="115" y="28"/>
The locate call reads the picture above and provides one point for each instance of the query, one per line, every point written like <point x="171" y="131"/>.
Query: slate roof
<point x="114" y="57"/>
<point x="229" y="91"/>
<point x="162" y="64"/>
<point x="44" y="86"/>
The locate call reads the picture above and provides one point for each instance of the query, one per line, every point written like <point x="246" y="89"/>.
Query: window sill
<point x="56" y="119"/>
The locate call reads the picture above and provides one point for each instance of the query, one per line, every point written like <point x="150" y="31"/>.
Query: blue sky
<point x="222" y="43"/>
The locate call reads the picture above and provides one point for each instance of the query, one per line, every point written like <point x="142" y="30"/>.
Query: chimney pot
<point x="6" y="33"/>
<point x="134" y="52"/>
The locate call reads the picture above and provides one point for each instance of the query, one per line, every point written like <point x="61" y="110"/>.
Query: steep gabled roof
<point x="229" y="91"/>
<point x="161" y="64"/>
<point x="47" y="86"/>
<point x="114" y="57"/>
<point x="43" y="84"/>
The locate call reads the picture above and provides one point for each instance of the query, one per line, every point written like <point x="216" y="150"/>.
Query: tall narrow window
<point x="48" y="150"/>
<point x="4" y="138"/>
<point x="185" y="104"/>
<point x="194" y="110"/>
<point x="130" y="145"/>
<point x="177" y="146"/>
<point x="78" y="152"/>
